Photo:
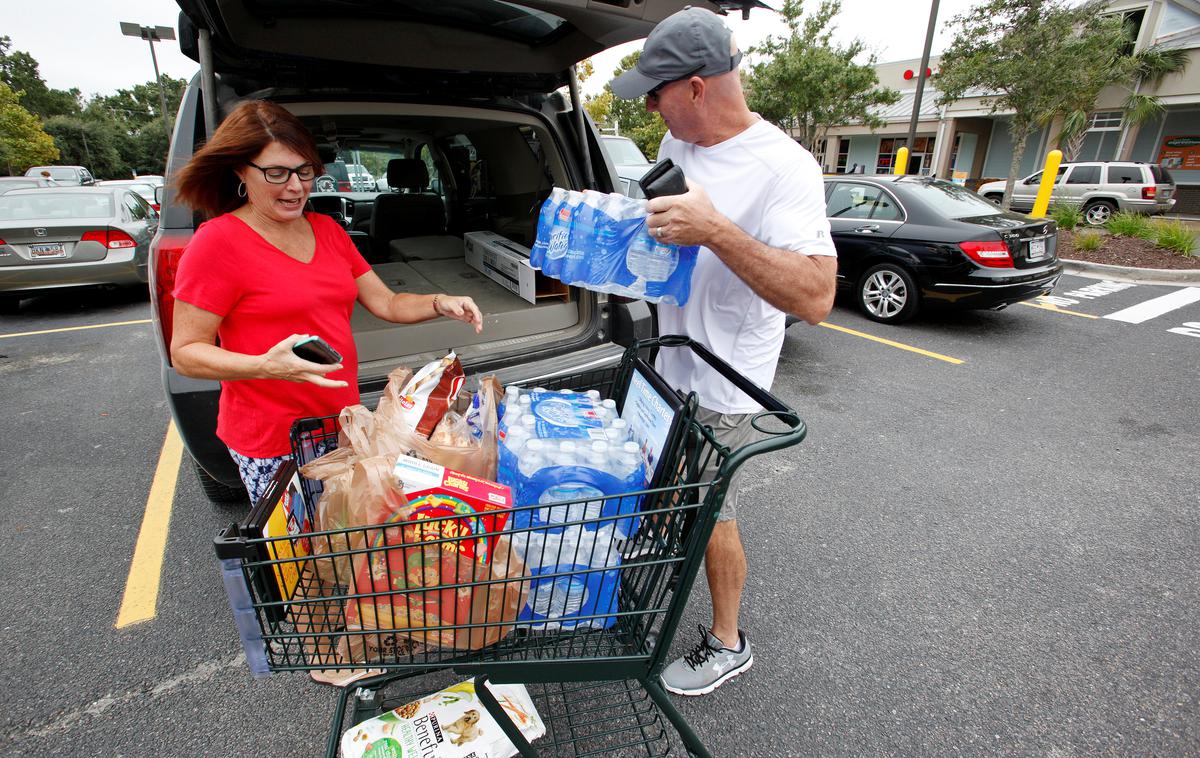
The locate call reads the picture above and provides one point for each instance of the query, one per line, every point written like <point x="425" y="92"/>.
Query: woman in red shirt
<point x="261" y="275"/>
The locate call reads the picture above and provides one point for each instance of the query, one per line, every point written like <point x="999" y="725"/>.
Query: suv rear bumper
<point x="1148" y="207"/>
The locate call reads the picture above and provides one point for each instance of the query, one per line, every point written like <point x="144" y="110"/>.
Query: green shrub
<point x="1130" y="225"/>
<point x="1087" y="241"/>
<point x="1066" y="216"/>
<point x="1174" y="236"/>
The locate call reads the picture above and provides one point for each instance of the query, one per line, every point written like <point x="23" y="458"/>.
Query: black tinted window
<point x="1125" y="175"/>
<point x="1161" y="175"/>
<point x="1084" y="175"/>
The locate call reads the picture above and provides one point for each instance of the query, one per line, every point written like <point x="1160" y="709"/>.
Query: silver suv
<point x="1099" y="188"/>
<point x="474" y="129"/>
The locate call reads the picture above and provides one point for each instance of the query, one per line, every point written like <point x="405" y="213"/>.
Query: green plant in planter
<point x="1130" y="225"/>
<point x="1174" y="236"/>
<point x="1066" y="216"/>
<point x="1088" y="241"/>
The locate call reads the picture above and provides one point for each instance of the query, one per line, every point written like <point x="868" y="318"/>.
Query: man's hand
<point x="687" y="219"/>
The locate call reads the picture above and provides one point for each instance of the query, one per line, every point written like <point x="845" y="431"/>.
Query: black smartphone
<point x="316" y="350"/>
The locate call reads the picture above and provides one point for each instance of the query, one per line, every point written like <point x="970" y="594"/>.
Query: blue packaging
<point x="574" y="576"/>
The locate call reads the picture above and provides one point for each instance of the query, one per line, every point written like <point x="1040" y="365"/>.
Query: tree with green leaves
<point x="1030" y="57"/>
<point x="807" y="83"/>
<point x="23" y="143"/>
<point x="20" y="72"/>
<point x="95" y="142"/>
<point x="1114" y="65"/>
<point x="629" y="117"/>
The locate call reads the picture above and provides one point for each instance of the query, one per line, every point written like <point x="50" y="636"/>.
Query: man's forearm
<point x="791" y="281"/>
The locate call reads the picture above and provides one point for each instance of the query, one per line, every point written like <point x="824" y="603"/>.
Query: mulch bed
<point x="1125" y="251"/>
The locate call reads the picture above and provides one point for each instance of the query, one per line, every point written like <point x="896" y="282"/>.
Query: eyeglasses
<point x="305" y="172"/>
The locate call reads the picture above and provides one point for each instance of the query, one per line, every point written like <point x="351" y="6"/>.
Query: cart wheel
<point x="218" y="492"/>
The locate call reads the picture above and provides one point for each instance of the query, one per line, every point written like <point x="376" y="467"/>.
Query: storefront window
<point x="843" y="154"/>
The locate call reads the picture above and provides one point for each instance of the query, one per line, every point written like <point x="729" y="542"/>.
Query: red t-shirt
<point x="263" y="295"/>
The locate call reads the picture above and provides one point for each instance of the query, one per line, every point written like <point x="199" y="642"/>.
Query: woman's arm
<point x="194" y="353"/>
<point x="405" y="308"/>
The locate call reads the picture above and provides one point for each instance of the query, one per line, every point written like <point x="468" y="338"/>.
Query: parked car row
<point x="54" y="237"/>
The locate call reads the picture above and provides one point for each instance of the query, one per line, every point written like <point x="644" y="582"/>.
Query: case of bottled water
<point x="574" y="576"/>
<point x="600" y="242"/>
<point x="562" y="446"/>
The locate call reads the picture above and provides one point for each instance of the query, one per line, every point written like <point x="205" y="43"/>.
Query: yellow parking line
<point x="141" y="587"/>
<point x="890" y="343"/>
<point x="1056" y="309"/>
<point x="74" y="328"/>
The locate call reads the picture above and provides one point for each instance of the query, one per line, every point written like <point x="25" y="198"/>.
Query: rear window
<point x="950" y="200"/>
<point x="1161" y="175"/>
<point x="1125" y="175"/>
<point x="51" y="205"/>
<point x="624" y="151"/>
<point x="490" y="16"/>
<point x="58" y="174"/>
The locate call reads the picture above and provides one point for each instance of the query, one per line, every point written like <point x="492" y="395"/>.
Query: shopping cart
<point x="301" y="603"/>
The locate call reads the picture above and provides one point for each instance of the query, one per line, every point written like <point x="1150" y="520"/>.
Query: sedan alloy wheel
<point x="888" y="294"/>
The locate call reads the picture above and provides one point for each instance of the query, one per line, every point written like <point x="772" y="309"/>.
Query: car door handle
<point x="868" y="229"/>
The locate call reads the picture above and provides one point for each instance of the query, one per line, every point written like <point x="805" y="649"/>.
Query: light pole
<point x="916" y="111"/>
<point x="153" y="34"/>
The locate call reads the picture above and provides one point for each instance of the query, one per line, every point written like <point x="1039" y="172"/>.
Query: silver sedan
<point x="72" y="237"/>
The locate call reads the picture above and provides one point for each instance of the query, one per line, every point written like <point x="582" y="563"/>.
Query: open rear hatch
<point x="527" y="46"/>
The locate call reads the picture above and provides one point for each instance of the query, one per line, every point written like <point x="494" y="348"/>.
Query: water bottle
<point x="650" y="261"/>
<point x="515" y="440"/>
<point x="546" y="225"/>
<point x="629" y="460"/>
<point x="533" y="459"/>
<point x="621" y="428"/>
<point x="560" y="234"/>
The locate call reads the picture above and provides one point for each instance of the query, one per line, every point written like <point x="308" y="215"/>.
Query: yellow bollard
<point x="1049" y="174"/>
<point x="901" y="162"/>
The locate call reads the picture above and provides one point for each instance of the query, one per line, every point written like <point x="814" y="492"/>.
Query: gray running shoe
<point x="709" y="665"/>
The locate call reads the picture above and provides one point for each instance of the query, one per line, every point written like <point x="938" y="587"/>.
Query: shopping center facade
<point x="966" y="141"/>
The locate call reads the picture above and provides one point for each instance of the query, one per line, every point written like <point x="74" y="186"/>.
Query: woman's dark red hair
<point x="208" y="182"/>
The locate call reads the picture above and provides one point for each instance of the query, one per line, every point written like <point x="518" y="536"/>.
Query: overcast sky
<point x="78" y="43"/>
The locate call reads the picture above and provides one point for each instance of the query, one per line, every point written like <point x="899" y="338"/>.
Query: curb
<point x="1131" y="274"/>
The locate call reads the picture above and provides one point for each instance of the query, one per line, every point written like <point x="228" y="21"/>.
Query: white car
<point x="629" y="161"/>
<point x="360" y="179"/>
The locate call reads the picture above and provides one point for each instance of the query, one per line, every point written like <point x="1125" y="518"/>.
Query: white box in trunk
<point x="503" y="261"/>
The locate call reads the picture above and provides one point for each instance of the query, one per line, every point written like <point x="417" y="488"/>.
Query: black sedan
<point x="906" y="243"/>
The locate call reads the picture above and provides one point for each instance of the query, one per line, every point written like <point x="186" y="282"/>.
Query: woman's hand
<point x="460" y="309"/>
<point x="281" y="363"/>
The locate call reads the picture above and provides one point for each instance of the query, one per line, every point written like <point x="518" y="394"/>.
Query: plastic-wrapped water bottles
<point x="600" y="242"/>
<point x="574" y="576"/>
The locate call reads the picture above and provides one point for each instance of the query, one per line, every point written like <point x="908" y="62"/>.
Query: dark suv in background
<point x="467" y="106"/>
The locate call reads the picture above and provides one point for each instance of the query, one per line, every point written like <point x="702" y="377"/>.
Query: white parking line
<point x="1142" y="312"/>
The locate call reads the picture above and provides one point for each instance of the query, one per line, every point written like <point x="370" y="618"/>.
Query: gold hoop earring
<point x="241" y="190"/>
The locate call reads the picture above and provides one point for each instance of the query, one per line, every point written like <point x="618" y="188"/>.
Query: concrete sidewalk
<point x="1185" y="277"/>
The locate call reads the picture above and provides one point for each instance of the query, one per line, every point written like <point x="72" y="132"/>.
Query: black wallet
<point x="665" y="178"/>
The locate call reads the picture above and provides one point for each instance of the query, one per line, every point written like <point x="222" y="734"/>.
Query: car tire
<point x="218" y="492"/>
<point x="1097" y="213"/>
<point x="10" y="305"/>
<point x="994" y="197"/>
<point x="888" y="294"/>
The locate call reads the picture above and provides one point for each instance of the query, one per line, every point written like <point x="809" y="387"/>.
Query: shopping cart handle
<point x="503" y="719"/>
<point x="756" y="393"/>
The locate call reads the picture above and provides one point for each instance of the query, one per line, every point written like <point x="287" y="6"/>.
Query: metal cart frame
<point x="597" y="676"/>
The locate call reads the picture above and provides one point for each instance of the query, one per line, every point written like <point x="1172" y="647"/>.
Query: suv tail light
<point x="166" y="249"/>
<point x="113" y="239"/>
<point x="1148" y="193"/>
<point x="343" y="186"/>
<point x="990" y="253"/>
<point x="2" y="242"/>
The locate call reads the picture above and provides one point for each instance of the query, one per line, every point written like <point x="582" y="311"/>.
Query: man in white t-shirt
<point x="756" y="205"/>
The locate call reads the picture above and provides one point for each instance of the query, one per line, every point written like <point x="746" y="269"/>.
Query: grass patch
<point x="1130" y="225"/>
<point x="1174" y="236"/>
<point x="1066" y="216"/>
<point x="1087" y="241"/>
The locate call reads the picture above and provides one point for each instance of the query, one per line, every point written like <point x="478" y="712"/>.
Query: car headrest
<point x="407" y="173"/>
<point x="327" y="152"/>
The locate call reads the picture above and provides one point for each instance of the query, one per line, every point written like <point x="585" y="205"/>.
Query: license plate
<point x="1037" y="249"/>
<point x="52" y="250"/>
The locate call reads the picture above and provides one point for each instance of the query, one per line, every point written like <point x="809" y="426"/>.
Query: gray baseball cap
<point x="691" y="42"/>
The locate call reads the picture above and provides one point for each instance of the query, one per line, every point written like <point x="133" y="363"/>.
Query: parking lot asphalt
<point x="995" y="554"/>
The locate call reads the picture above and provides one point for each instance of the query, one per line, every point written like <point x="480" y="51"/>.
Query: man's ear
<point x="698" y="88"/>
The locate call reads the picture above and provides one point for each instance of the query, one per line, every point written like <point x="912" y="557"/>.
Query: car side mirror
<point x="158" y="195"/>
